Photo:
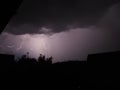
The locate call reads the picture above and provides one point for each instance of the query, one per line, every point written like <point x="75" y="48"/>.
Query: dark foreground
<point x="42" y="74"/>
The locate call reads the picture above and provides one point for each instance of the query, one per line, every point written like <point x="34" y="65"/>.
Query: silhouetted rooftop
<point x="7" y="9"/>
<point x="105" y="56"/>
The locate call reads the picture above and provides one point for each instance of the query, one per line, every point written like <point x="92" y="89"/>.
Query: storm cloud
<point x="66" y="30"/>
<point x="53" y="16"/>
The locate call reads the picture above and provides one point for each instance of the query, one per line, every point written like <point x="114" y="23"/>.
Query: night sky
<point x="64" y="29"/>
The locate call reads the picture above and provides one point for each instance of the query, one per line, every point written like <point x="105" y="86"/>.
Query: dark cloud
<point x="111" y="21"/>
<point x="57" y="15"/>
<point x="98" y="23"/>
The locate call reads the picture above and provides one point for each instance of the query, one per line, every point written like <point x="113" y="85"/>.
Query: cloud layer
<point x="57" y="15"/>
<point x="69" y="31"/>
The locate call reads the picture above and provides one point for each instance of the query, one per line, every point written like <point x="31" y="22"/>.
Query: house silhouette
<point x="7" y="62"/>
<point x="103" y="69"/>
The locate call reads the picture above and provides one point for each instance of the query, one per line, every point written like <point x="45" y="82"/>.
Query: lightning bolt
<point x="24" y="38"/>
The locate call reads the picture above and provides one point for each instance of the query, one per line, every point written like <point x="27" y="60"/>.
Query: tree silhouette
<point x="49" y="60"/>
<point x="42" y="59"/>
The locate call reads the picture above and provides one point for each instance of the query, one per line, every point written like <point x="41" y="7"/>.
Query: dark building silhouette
<point x="8" y="9"/>
<point x="103" y="69"/>
<point x="106" y="57"/>
<point x="6" y="58"/>
<point x="7" y="62"/>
